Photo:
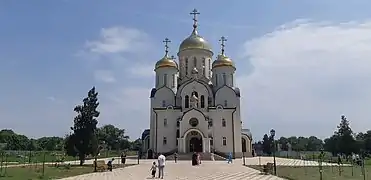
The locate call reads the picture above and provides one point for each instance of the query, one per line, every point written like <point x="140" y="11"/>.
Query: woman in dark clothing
<point x="194" y="159"/>
<point x="123" y="158"/>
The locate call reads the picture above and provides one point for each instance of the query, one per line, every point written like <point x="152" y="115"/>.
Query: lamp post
<point x="273" y="133"/>
<point x="321" y="157"/>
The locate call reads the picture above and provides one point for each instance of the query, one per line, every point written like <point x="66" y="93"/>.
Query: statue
<point x="194" y="101"/>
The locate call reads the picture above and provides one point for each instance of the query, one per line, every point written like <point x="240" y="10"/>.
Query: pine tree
<point x="346" y="144"/>
<point x="83" y="141"/>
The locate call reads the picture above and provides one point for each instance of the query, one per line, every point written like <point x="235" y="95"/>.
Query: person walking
<point x="175" y="157"/>
<point x="230" y="158"/>
<point x="161" y="165"/>
<point x="123" y="158"/>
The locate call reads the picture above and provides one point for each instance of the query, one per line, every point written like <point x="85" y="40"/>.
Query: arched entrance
<point x="149" y="154"/>
<point x="195" y="144"/>
<point x="243" y="141"/>
<point x="194" y="141"/>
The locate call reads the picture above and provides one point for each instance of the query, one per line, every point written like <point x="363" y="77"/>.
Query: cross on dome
<point x="222" y="41"/>
<point x="194" y="13"/>
<point x="166" y="41"/>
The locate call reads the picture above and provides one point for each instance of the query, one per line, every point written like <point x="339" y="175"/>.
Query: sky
<point x="300" y="64"/>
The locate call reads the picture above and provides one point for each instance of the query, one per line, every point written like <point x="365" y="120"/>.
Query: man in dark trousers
<point x="109" y="164"/>
<point x="175" y="157"/>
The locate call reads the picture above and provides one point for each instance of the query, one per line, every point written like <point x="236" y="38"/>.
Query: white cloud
<point x="306" y="75"/>
<point x="118" y="40"/>
<point x="105" y="76"/>
<point x="143" y="71"/>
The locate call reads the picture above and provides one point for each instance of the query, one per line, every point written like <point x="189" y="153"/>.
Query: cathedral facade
<point x="195" y="104"/>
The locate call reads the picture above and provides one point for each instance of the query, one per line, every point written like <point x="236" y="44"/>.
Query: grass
<point x="328" y="173"/>
<point x="25" y="157"/>
<point x="50" y="172"/>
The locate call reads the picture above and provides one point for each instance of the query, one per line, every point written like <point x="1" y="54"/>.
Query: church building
<point x="195" y="104"/>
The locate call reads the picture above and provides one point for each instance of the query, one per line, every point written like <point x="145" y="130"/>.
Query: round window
<point x="193" y="122"/>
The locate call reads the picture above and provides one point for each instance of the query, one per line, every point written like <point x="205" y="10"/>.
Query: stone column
<point x="206" y="144"/>
<point x="181" y="145"/>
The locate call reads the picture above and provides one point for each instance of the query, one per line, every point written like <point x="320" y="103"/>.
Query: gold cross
<point x="194" y="13"/>
<point x="166" y="41"/>
<point x="222" y="40"/>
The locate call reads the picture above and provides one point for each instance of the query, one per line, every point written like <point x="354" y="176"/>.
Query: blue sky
<point x="300" y="64"/>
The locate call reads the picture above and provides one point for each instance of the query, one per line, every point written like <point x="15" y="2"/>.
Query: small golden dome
<point x="223" y="60"/>
<point x="194" y="41"/>
<point x="166" y="61"/>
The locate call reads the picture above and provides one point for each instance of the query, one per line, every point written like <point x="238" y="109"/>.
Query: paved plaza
<point x="208" y="170"/>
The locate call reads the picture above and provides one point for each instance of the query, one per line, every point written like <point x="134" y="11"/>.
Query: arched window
<point x="163" y="103"/>
<point x="186" y="66"/>
<point x="164" y="141"/>
<point x="194" y="62"/>
<point x="173" y="81"/>
<point x="224" y="141"/>
<point x="224" y="123"/>
<point x="224" y="79"/>
<point x="202" y="101"/>
<point x="232" y="80"/>
<point x="216" y="79"/>
<point x="203" y="66"/>
<point x="243" y="144"/>
<point x="211" y="141"/>
<point x="209" y="67"/>
<point x="225" y="103"/>
<point x="165" y="79"/>
<point x="157" y="79"/>
<point x="186" y="101"/>
<point x="165" y="122"/>
<point x="210" y="123"/>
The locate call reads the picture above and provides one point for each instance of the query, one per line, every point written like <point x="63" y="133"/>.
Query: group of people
<point x="160" y="166"/>
<point x="196" y="159"/>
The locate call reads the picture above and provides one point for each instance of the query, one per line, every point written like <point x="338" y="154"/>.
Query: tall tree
<point x="346" y="143"/>
<point x="267" y="148"/>
<point x="83" y="141"/>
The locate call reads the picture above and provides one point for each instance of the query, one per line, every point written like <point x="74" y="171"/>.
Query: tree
<point x="83" y="141"/>
<point x="346" y="143"/>
<point x="112" y="136"/>
<point x="267" y="145"/>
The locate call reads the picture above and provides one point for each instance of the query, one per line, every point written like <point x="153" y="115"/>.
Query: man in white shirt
<point x="161" y="165"/>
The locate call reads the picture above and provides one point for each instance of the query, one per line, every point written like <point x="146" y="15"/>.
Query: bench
<point x="101" y="165"/>
<point x="268" y="168"/>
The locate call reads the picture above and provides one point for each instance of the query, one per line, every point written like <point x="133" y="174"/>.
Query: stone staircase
<point x="188" y="156"/>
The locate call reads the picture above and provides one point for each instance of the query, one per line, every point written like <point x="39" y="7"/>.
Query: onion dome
<point x="195" y="41"/>
<point x="166" y="61"/>
<point x="222" y="59"/>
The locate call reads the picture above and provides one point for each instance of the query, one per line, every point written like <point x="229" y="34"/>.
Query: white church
<point x="195" y="105"/>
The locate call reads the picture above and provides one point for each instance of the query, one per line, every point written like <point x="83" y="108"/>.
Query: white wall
<point x="218" y="77"/>
<point x="170" y="80"/>
<point x="168" y="131"/>
<point x="190" y="55"/>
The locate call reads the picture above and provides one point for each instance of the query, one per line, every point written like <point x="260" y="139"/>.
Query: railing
<point x="170" y="152"/>
<point x="224" y="155"/>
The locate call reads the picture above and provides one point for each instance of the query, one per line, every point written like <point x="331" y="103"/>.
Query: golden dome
<point x="194" y="41"/>
<point x="166" y="61"/>
<point x="223" y="60"/>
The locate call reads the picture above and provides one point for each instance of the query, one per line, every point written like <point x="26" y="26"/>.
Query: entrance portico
<point x="193" y="141"/>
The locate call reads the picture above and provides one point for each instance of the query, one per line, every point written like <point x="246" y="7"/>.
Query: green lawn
<point x="24" y="157"/>
<point x="329" y="173"/>
<point x="50" y="172"/>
